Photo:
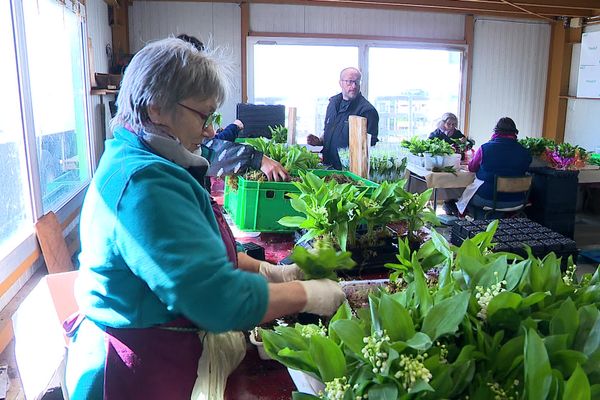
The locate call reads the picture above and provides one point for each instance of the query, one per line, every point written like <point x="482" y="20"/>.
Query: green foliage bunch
<point x="435" y="147"/>
<point x="293" y="158"/>
<point x="416" y="146"/>
<point x="537" y="146"/>
<point x="385" y="163"/>
<point x="493" y="326"/>
<point x="331" y="210"/>
<point x="279" y="133"/>
<point x="335" y="211"/>
<point x="439" y="147"/>
<point x="322" y="261"/>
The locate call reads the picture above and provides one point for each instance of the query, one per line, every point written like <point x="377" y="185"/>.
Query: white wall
<point x="356" y="21"/>
<point x="215" y="24"/>
<point x="509" y="76"/>
<point x="581" y="127"/>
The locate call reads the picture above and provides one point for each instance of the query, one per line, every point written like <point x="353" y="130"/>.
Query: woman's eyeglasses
<point x="208" y="119"/>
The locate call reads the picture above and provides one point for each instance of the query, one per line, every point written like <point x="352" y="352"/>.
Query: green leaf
<point x="420" y="341"/>
<point x="538" y="374"/>
<point x="446" y="316"/>
<point x="387" y="391"/>
<point x="565" y="320"/>
<point x="420" y="386"/>
<point x="291" y="222"/>
<point x="303" y="396"/>
<point x="503" y="300"/>
<point x="593" y="340"/>
<point x="514" y="274"/>
<point x="350" y="332"/>
<point x="328" y="357"/>
<point x="494" y="273"/>
<point x="578" y="386"/>
<point x="567" y="360"/>
<point x="533" y="298"/>
<point x="395" y="319"/>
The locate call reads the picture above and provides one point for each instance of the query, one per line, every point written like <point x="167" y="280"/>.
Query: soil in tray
<point x="339" y="178"/>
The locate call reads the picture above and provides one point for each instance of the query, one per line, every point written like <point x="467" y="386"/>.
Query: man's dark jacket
<point x="336" y="133"/>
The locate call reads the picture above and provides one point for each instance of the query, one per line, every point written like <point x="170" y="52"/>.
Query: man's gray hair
<point x="350" y="69"/>
<point x="162" y="74"/>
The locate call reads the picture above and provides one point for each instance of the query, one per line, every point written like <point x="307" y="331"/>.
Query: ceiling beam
<point x="578" y="4"/>
<point x="461" y="6"/>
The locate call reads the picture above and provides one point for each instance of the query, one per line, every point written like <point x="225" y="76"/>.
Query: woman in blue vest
<point x="503" y="155"/>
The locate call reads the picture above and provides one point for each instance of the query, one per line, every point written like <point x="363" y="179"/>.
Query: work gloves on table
<point x="323" y="296"/>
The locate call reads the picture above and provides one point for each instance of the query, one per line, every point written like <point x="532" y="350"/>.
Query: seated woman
<point x="446" y="129"/>
<point x="154" y="293"/>
<point x="503" y="155"/>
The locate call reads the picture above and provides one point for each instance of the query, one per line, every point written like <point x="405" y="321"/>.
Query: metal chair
<point x="513" y="184"/>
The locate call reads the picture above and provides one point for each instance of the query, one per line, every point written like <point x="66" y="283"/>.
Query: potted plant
<point x="493" y="325"/>
<point x="436" y="152"/>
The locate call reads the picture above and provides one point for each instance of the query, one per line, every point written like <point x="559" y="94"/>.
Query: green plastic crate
<point x="257" y="206"/>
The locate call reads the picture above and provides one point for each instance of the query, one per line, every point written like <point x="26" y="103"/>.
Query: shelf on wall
<point x="103" y="92"/>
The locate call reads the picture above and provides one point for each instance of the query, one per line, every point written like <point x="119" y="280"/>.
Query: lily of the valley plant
<point x="493" y="326"/>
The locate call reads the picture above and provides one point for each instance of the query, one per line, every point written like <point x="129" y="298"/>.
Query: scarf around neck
<point x="171" y="148"/>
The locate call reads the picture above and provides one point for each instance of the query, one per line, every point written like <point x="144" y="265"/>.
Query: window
<point x="415" y="86"/>
<point x="410" y="87"/>
<point x="55" y="59"/>
<point x="44" y="140"/>
<point x="15" y="207"/>
<point x="301" y="76"/>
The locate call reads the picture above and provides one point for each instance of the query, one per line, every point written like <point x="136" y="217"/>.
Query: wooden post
<point x="291" y="136"/>
<point x="359" y="148"/>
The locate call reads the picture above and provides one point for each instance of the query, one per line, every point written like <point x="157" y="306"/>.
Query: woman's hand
<point x="273" y="170"/>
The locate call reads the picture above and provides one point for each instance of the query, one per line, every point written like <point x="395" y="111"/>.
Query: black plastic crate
<point x="537" y="247"/>
<point x="501" y="247"/>
<point x="553" y="190"/>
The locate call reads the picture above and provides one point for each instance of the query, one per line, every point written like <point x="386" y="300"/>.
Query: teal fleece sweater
<point x="151" y="248"/>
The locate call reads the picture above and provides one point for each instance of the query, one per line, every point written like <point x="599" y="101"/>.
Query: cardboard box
<point x="40" y="343"/>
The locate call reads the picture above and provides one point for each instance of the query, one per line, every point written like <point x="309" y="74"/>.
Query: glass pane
<point x="301" y="76"/>
<point x="15" y="208"/>
<point x="54" y="50"/>
<point x="412" y="88"/>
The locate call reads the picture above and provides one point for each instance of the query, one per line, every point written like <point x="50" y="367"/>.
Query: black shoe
<point x="450" y="208"/>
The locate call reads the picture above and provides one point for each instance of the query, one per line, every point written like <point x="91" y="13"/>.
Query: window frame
<point x="363" y="54"/>
<point x="26" y="246"/>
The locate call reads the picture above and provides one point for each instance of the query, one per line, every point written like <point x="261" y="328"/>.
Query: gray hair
<point x="162" y="74"/>
<point x="445" y="118"/>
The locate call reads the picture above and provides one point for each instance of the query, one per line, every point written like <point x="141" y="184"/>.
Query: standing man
<point x="341" y="106"/>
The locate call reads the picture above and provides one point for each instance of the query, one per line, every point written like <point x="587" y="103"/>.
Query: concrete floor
<point x="587" y="236"/>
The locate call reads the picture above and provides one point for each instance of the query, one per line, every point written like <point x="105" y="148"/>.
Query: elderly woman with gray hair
<point x="154" y="294"/>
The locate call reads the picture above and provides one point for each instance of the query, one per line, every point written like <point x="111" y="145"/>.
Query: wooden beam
<point x="469" y="38"/>
<point x="359" y="146"/>
<point x="355" y="37"/>
<point x="454" y="6"/>
<point x="554" y="111"/>
<point x="245" y="25"/>
<point x="581" y="4"/>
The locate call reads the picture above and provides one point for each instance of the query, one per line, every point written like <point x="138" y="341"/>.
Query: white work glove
<point x="280" y="273"/>
<point x="323" y="296"/>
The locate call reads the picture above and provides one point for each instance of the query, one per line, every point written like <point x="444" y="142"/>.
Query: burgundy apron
<point x="226" y="233"/>
<point x="150" y="363"/>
